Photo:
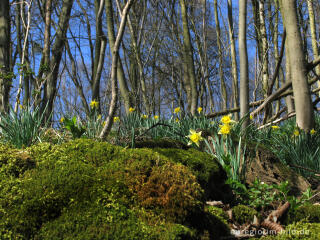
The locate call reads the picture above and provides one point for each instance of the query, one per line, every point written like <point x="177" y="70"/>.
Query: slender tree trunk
<point x="244" y="77"/>
<point x="265" y="57"/>
<point x="99" y="53"/>
<point x="223" y="87"/>
<point x="107" y="127"/>
<point x="301" y="90"/>
<point x="57" y="49"/>
<point x="5" y="40"/>
<point x="189" y="58"/>
<point x="124" y="90"/>
<point x="233" y="58"/>
<point x="275" y="31"/>
<point x="314" y="41"/>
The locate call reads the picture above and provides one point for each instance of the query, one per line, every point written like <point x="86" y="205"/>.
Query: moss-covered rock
<point x="309" y="212"/>
<point x="206" y="168"/>
<point x="14" y="162"/>
<point x="160" y="143"/>
<point x="85" y="189"/>
<point x="243" y="214"/>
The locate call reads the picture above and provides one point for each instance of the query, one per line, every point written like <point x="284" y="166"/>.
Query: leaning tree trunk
<point x="4" y="52"/>
<point x="244" y="78"/>
<point x="115" y="55"/>
<point x="124" y="89"/>
<point x="301" y="90"/>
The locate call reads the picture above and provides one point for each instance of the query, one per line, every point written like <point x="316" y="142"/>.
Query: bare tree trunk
<point x="288" y="99"/>
<point x="301" y="90"/>
<point x="233" y="58"/>
<point x="124" y="90"/>
<point x="5" y="40"/>
<point x="313" y="35"/>
<point x="223" y="87"/>
<point x="265" y="59"/>
<point x="189" y="58"/>
<point x="55" y="60"/>
<point x="99" y="53"/>
<point x="107" y="127"/>
<point x="244" y="78"/>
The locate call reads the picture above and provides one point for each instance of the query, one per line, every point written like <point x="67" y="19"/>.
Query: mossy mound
<point x="206" y="168"/>
<point x="160" y="143"/>
<point x="85" y="189"/>
<point x="14" y="162"/>
<point x="299" y="230"/>
<point x="308" y="211"/>
<point x="243" y="214"/>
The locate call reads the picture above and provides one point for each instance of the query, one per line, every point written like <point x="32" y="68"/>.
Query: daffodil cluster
<point x="225" y="128"/>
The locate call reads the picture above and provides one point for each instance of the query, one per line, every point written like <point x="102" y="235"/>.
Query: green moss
<point x="243" y="214"/>
<point x="309" y="212"/>
<point x="161" y="143"/>
<point x="75" y="189"/>
<point x="14" y="162"/>
<point x="208" y="171"/>
<point x="219" y="213"/>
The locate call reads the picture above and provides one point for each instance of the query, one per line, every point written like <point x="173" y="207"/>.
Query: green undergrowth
<point x="85" y="189"/>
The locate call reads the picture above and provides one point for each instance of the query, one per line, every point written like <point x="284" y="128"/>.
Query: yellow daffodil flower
<point x="200" y="110"/>
<point x="177" y="110"/>
<point x="116" y="119"/>
<point x="99" y="117"/>
<point x="227" y="119"/>
<point x="131" y="109"/>
<point x="195" y="137"/>
<point x="177" y="120"/>
<point x="224" y="129"/>
<point x="104" y="123"/>
<point x="275" y="127"/>
<point x="156" y="117"/>
<point x="144" y="116"/>
<point x="251" y="117"/>
<point x="62" y="119"/>
<point x="296" y="133"/>
<point x="94" y="104"/>
<point x="312" y="131"/>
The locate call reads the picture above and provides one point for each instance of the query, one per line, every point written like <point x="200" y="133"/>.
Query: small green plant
<point x="23" y="128"/>
<point x="76" y="129"/>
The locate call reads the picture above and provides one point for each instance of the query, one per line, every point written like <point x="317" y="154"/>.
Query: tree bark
<point x="244" y="78"/>
<point x="107" y="127"/>
<point x="313" y="31"/>
<point x="223" y="88"/>
<point x="5" y="40"/>
<point x="57" y="49"/>
<point x="233" y="58"/>
<point x="99" y="53"/>
<point x="301" y="90"/>
<point x="189" y="58"/>
<point x="124" y="90"/>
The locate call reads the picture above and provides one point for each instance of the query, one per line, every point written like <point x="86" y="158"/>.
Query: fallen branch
<point x="289" y="115"/>
<point x="275" y="215"/>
